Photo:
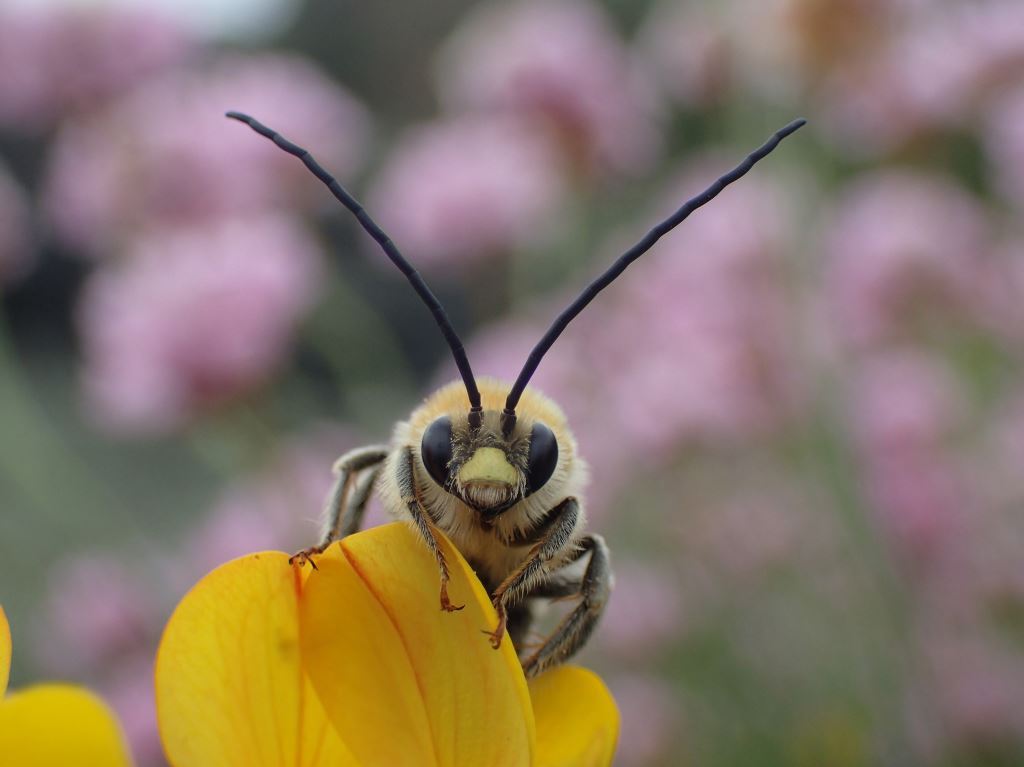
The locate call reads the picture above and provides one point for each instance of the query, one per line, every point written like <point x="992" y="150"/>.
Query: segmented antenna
<point x="631" y="255"/>
<point x="346" y="199"/>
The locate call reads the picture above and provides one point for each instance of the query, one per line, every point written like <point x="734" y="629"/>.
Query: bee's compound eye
<point x="543" y="457"/>
<point x="436" y="449"/>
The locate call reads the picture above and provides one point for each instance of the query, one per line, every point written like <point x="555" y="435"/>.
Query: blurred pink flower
<point x="279" y="508"/>
<point x="792" y="51"/>
<point x="191" y="318"/>
<point x="1003" y="310"/>
<point x="1004" y="140"/>
<point x="918" y="82"/>
<point x="129" y="691"/>
<point x="1003" y="456"/>
<point x="248" y="517"/>
<point x="695" y="345"/>
<point x="689" y="345"/>
<point x="867" y="111"/>
<point x="467" y="190"/>
<point x="60" y="60"/>
<point x="975" y="686"/>
<point x="931" y="70"/>
<point x="900" y="242"/>
<point x="823" y="36"/>
<point x="560" y="60"/>
<point x="500" y="350"/>
<point x="167" y="156"/>
<point x="689" y="53"/>
<point x="995" y="31"/>
<point x="646" y="612"/>
<point x="904" y="408"/>
<point x="16" y="252"/>
<point x="920" y="502"/>
<point x="651" y="720"/>
<point x="96" y="609"/>
<point x="905" y="401"/>
<point x="758" y="528"/>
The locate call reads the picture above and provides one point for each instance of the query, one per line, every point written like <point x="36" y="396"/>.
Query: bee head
<point x="487" y="466"/>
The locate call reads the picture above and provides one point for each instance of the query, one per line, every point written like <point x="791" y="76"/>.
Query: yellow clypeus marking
<point x="488" y="464"/>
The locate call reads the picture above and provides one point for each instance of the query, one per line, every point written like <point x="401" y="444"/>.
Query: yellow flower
<point x="266" y="665"/>
<point x="55" y="725"/>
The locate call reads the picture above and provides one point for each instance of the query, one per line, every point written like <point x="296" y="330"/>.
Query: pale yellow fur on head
<point x="452" y="400"/>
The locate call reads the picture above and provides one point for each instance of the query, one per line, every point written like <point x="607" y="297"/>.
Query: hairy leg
<point x="410" y="496"/>
<point x="336" y="513"/>
<point x="352" y="519"/>
<point x="559" y="527"/>
<point x="343" y="515"/>
<point x="573" y="632"/>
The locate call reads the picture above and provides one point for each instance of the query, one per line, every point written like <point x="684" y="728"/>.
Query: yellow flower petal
<point x="577" y="719"/>
<point x="58" y="726"/>
<point x="403" y="681"/>
<point x="5" y="652"/>
<point x="357" y="664"/>
<point x="230" y="690"/>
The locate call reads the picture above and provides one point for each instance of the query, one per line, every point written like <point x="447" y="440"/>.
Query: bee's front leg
<point x="555" y="533"/>
<point x="424" y="524"/>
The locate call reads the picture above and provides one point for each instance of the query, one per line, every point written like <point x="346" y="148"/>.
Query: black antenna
<point x="440" y="317"/>
<point x="509" y="415"/>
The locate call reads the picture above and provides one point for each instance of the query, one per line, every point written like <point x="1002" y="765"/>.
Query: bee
<point x="494" y="466"/>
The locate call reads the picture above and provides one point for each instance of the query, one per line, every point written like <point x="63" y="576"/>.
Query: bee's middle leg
<point x="556" y="533"/>
<point x="352" y="519"/>
<point x="343" y="512"/>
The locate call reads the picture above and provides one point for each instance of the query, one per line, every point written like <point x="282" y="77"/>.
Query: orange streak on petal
<point x="476" y="698"/>
<point x="357" y="664"/>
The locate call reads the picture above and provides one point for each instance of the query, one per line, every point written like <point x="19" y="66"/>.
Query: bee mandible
<point x="493" y="465"/>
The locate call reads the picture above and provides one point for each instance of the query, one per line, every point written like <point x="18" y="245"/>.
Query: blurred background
<point x="803" y="410"/>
